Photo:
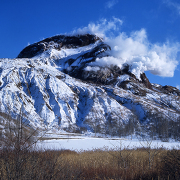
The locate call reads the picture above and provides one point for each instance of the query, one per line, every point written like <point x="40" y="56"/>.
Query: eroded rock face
<point x="62" y="86"/>
<point x="104" y="75"/>
<point x="81" y="61"/>
<point x="57" y="42"/>
<point x="170" y="90"/>
<point x="145" y="80"/>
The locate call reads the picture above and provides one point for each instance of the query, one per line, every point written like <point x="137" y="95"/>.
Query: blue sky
<point x="24" y="22"/>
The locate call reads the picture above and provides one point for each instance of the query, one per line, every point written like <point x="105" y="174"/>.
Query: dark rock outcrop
<point x="101" y="97"/>
<point x="57" y="42"/>
<point x="170" y="90"/>
<point x="145" y="81"/>
<point x="104" y="75"/>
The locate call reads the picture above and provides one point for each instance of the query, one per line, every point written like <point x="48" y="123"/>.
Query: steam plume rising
<point x="134" y="49"/>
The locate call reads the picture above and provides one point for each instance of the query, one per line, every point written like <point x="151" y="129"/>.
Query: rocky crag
<point x="56" y="83"/>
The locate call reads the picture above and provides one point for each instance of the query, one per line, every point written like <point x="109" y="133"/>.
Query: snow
<point x="91" y="68"/>
<point x="135" y="49"/>
<point x="86" y="143"/>
<point x="123" y="78"/>
<point x="54" y="99"/>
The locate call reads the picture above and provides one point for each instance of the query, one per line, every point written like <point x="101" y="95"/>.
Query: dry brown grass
<point x="97" y="164"/>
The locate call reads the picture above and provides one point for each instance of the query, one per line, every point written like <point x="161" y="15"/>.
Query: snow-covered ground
<point x="83" y="143"/>
<point x="46" y="92"/>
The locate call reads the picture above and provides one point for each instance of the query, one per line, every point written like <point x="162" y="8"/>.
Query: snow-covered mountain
<point x="68" y="82"/>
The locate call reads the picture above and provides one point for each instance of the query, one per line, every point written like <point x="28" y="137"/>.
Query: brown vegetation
<point x="20" y="161"/>
<point x="97" y="164"/>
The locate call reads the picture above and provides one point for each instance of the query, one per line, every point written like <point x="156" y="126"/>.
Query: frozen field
<point x="79" y="142"/>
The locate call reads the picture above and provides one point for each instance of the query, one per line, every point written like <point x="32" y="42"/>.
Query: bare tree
<point x="18" y="138"/>
<point x="147" y="145"/>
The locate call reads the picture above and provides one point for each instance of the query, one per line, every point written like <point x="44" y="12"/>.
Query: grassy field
<point x="134" y="164"/>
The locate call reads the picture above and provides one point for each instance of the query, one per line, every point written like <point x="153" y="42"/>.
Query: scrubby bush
<point x="97" y="164"/>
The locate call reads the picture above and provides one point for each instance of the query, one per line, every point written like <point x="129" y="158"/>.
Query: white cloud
<point x="134" y="49"/>
<point x="101" y="28"/>
<point x="178" y="87"/>
<point x="173" y="5"/>
<point x="111" y="3"/>
<point x="138" y="52"/>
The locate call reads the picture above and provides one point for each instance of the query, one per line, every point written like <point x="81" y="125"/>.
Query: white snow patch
<point x="123" y="78"/>
<point x="91" y="68"/>
<point x="84" y="143"/>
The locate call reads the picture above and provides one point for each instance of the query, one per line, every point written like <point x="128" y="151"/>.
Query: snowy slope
<point x="64" y="87"/>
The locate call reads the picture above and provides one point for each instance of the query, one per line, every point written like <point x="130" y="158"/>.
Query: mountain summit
<point x="69" y="82"/>
<point x="81" y="65"/>
<point x="58" y="42"/>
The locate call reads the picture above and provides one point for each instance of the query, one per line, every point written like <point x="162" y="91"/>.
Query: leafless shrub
<point x="171" y="165"/>
<point x="17" y="141"/>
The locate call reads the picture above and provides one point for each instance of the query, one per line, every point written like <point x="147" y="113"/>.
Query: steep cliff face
<point x="57" y="83"/>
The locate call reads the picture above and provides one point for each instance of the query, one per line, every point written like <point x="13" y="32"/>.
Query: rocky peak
<point x="65" y="87"/>
<point x="77" y="66"/>
<point x="57" y="42"/>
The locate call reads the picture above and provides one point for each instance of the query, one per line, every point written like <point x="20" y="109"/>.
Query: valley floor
<point x="83" y="142"/>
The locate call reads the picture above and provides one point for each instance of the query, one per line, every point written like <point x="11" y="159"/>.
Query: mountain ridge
<point x="61" y="85"/>
<point x="57" y="42"/>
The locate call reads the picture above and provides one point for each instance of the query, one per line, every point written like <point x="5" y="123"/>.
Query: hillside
<point x="69" y="82"/>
